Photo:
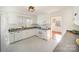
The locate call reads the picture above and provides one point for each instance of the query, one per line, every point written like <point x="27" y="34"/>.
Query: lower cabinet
<point x="19" y="35"/>
<point x="44" y="34"/>
<point x="29" y="33"/>
<point x="39" y="33"/>
<point x="11" y="37"/>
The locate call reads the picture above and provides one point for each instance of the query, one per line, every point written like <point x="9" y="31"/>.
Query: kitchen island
<point x="68" y="43"/>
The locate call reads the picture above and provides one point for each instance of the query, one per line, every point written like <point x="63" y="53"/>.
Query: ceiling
<point x="38" y="9"/>
<point x="45" y="9"/>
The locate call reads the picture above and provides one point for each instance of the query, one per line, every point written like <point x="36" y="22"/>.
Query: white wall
<point x="67" y="20"/>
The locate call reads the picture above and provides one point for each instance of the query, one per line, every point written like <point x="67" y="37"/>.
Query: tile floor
<point x="33" y="44"/>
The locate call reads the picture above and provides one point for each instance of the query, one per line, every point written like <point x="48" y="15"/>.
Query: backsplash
<point x="16" y="25"/>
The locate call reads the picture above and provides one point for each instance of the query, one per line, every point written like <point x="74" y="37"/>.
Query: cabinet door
<point x="39" y="34"/>
<point x="24" y="34"/>
<point x="18" y="36"/>
<point x="30" y="32"/>
<point x="46" y="34"/>
<point x="19" y="20"/>
<point x="35" y="31"/>
<point x="11" y="37"/>
<point x="12" y="19"/>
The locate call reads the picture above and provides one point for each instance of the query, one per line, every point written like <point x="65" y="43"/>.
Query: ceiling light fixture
<point x="31" y="8"/>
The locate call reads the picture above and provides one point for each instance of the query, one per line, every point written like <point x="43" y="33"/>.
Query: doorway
<point x="56" y="27"/>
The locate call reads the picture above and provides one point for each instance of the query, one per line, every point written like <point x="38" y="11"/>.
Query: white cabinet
<point x="39" y="33"/>
<point x="43" y="19"/>
<point x="36" y="32"/>
<point x="27" y="33"/>
<point x="12" y="20"/>
<point x="18" y="35"/>
<point x="44" y="34"/>
<point x="11" y="37"/>
<point x="30" y="32"/>
<point x="19" y="19"/>
<point x="23" y="34"/>
<point x="22" y="20"/>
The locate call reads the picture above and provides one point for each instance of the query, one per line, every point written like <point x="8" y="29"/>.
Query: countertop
<point x="68" y="43"/>
<point x="26" y="28"/>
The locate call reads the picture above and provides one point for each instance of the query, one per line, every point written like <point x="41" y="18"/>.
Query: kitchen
<point x="21" y="24"/>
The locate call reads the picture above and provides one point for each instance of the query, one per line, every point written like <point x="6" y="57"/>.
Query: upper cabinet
<point x="12" y="19"/>
<point x="43" y="19"/>
<point x="19" y="20"/>
<point x="27" y="21"/>
<point x="15" y="21"/>
<point x="76" y="16"/>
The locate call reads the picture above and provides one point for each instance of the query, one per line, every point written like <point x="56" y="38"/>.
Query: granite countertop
<point x="68" y="43"/>
<point x="74" y="31"/>
<point x="26" y="28"/>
